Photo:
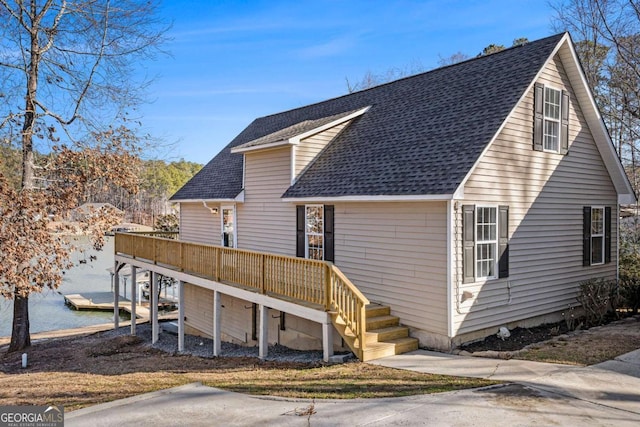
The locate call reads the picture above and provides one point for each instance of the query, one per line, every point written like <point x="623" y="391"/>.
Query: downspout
<point x="618" y="244"/>
<point x="451" y="209"/>
<point x="214" y="211"/>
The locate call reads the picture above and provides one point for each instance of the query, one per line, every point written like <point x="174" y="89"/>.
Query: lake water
<point x="48" y="312"/>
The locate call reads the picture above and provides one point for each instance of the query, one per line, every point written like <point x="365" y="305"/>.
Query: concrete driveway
<point x="538" y="394"/>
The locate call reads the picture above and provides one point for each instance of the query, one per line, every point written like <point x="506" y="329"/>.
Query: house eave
<point x="277" y="144"/>
<point x="378" y="198"/>
<point x="295" y="140"/>
<point x="238" y="199"/>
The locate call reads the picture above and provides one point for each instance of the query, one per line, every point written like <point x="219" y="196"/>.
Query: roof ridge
<point x="466" y="61"/>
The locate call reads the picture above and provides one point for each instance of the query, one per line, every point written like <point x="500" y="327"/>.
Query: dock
<point x="104" y="301"/>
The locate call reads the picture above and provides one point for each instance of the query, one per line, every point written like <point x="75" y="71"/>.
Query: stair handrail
<point x="349" y="303"/>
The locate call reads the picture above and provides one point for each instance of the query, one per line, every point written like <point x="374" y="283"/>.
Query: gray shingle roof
<point x="421" y="135"/>
<point x="295" y="130"/>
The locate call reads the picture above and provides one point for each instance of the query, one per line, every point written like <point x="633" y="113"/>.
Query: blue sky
<point x="234" y="61"/>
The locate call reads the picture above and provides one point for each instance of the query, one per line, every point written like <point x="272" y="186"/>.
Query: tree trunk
<point x="20" y="338"/>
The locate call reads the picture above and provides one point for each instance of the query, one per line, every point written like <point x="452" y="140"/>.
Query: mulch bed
<point x="520" y="338"/>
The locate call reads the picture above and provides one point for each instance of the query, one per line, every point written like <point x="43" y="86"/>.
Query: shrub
<point x="630" y="280"/>
<point x="597" y="297"/>
<point x="169" y="222"/>
<point x="630" y="292"/>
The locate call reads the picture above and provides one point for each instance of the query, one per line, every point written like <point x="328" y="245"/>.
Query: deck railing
<point x="298" y="279"/>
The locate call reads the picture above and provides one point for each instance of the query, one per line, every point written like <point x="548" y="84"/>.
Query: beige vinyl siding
<point x="545" y="193"/>
<point x="265" y="222"/>
<point x="395" y="253"/>
<point x="310" y="147"/>
<point x="235" y="319"/>
<point x="199" y="225"/>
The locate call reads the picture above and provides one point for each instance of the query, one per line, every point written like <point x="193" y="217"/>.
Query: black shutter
<point x="538" y="116"/>
<point x="301" y="222"/>
<point x="328" y="233"/>
<point x="586" y="235"/>
<point x="503" y="241"/>
<point x="607" y="234"/>
<point x="468" y="243"/>
<point x="564" y="123"/>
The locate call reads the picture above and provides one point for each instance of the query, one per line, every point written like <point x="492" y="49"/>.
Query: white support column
<point x="327" y="341"/>
<point x="134" y="288"/>
<point x="154" y="307"/>
<point x="180" y="315"/>
<point x="263" y="339"/>
<point x="217" y="317"/>
<point x="116" y="296"/>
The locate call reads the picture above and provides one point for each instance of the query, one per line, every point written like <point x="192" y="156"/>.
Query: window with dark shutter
<point x="468" y="243"/>
<point x="503" y="241"/>
<point x="485" y="242"/>
<point x="550" y="119"/>
<point x="314" y="232"/>
<point x="301" y="222"/>
<point x="586" y="235"/>
<point x="564" y="124"/>
<point x="328" y="233"/>
<point x="596" y="235"/>
<point x="607" y="234"/>
<point x="538" y="116"/>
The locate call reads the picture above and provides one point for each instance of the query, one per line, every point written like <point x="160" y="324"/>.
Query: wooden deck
<point x="103" y="301"/>
<point x="303" y="282"/>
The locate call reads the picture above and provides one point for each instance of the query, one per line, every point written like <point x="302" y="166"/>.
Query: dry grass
<point x="83" y="371"/>
<point x="588" y="347"/>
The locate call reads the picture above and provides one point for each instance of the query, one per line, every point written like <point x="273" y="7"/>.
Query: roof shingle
<point x="421" y="135"/>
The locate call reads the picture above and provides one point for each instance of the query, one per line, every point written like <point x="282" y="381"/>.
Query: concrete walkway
<point x="539" y="394"/>
<point x="615" y="383"/>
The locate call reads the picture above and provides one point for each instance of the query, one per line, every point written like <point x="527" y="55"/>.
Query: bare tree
<point x="370" y="79"/>
<point x="67" y="69"/>
<point x="607" y="34"/>
<point x="453" y="59"/>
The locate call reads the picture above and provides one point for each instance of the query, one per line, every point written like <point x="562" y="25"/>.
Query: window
<point x="551" y="119"/>
<point x="314" y="232"/>
<point x="485" y="242"/>
<point x="596" y="235"/>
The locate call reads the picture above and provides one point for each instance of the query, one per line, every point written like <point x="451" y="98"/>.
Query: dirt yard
<point x="84" y="370"/>
<point x="554" y="344"/>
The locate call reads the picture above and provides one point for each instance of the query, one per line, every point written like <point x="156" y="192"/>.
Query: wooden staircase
<point x="384" y="335"/>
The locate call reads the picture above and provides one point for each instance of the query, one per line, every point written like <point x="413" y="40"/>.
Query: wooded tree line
<point x="156" y="181"/>
<point x="69" y="88"/>
<point x="607" y="38"/>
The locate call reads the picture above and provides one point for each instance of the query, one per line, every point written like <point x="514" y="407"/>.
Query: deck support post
<point x="134" y="286"/>
<point x="116" y="296"/>
<point x="154" y="307"/>
<point x="263" y="339"/>
<point x="327" y="341"/>
<point x="180" y="315"/>
<point x="217" y="319"/>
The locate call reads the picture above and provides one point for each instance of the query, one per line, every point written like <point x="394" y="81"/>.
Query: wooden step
<point x="389" y="348"/>
<point x="379" y="322"/>
<point x="374" y="310"/>
<point x="384" y="337"/>
<point x="386" y="334"/>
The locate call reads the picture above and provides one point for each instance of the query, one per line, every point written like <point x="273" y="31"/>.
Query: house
<point x="466" y="198"/>
<point x="88" y="209"/>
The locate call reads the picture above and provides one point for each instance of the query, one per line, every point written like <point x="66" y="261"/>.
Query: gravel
<point x="203" y="347"/>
